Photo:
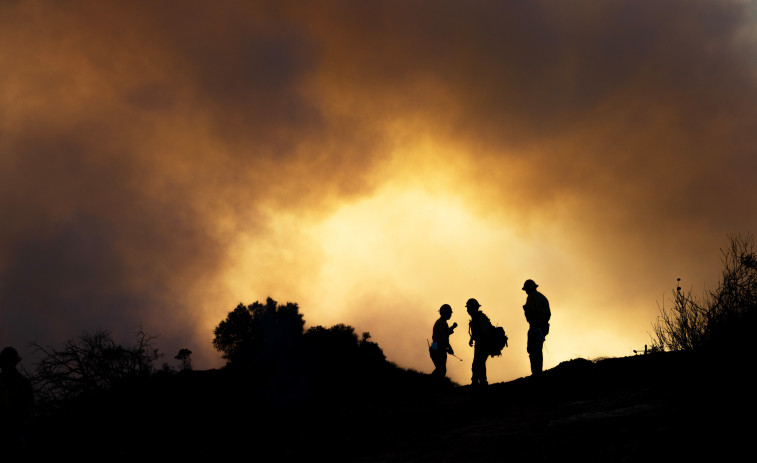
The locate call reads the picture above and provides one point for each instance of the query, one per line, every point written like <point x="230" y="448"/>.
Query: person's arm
<point x="452" y="328"/>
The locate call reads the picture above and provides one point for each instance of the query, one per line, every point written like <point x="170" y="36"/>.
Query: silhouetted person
<point x="440" y="338"/>
<point x="537" y="315"/>
<point x="478" y="328"/>
<point x="16" y="403"/>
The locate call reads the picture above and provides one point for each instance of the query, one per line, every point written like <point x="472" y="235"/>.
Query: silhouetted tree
<point x="257" y="328"/>
<point x="185" y="357"/>
<point x="724" y="318"/>
<point x="90" y="363"/>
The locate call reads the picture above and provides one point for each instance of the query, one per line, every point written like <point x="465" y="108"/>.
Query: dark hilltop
<point x="670" y="405"/>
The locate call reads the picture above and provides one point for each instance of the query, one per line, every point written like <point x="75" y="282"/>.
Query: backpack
<point x="497" y="340"/>
<point x="493" y="336"/>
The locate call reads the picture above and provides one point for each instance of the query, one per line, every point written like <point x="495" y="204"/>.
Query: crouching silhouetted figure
<point x="440" y="338"/>
<point x="16" y="404"/>
<point x="537" y="315"/>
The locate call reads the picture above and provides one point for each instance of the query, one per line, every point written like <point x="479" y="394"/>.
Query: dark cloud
<point x="84" y="248"/>
<point x="138" y="140"/>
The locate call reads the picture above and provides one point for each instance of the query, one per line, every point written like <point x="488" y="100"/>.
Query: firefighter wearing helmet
<point x="478" y="329"/>
<point x="537" y="313"/>
<point x="440" y="337"/>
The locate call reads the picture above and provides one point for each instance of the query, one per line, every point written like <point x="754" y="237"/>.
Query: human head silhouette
<point x="9" y="358"/>
<point x="529" y="286"/>
<point x="472" y="306"/>
<point x="446" y="311"/>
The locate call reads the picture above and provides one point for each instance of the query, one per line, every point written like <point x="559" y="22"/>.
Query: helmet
<point x="529" y="284"/>
<point x="446" y="308"/>
<point x="472" y="304"/>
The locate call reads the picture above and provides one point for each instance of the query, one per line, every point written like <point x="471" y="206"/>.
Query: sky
<point x="162" y="162"/>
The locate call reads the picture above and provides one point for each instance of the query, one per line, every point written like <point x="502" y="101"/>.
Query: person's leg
<point x="534" y="348"/>
<point x="479" y="366"/>
<point x="440" y="364"/>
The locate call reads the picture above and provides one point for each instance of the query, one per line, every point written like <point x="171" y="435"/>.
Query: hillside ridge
<point x="611" y="409"/>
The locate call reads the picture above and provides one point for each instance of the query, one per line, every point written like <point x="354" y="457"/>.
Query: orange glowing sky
<point x="161" y="162"/>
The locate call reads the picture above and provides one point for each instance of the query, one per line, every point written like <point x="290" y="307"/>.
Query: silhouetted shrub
<point x="337" y="352"/>
<point x="90" y="363"/>
<point x="185" y="357"/>
<point x="721" y="319"/>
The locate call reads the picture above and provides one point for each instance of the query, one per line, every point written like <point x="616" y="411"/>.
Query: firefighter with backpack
<point x="479" y="329"/>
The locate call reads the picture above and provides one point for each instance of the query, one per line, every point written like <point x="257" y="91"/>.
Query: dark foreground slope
<point x="620" y="409"/>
